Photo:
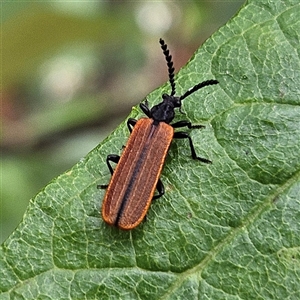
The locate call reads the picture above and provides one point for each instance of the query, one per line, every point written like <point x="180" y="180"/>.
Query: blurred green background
<point x="71" y="71"/>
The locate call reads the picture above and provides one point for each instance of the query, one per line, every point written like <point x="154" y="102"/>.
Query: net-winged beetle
<point x="136" y="176"/>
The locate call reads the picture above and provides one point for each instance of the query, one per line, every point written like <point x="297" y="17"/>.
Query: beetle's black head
<point x="164" y="111"/>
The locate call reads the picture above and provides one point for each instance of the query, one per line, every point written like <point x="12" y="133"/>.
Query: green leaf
<point x="229" y="230"/>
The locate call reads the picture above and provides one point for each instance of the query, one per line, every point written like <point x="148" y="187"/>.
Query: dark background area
<point x="70" y="73"/>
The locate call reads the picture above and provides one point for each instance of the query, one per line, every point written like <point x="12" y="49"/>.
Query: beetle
<point x="137" y="174"/>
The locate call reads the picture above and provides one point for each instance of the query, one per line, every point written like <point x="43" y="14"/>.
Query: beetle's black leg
<point x="145" y="108"/>
<point x="186" y="123"/>
<point x="160" y="188"/>
<point x="185" y="135"/>
<point x="102" y="186"/>
<point x="114" y="158"/>
<point x="130" y="123"/>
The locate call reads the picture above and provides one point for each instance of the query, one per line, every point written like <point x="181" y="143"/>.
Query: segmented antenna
<point x="197" y="87"/>
<point x="171" y="69"/>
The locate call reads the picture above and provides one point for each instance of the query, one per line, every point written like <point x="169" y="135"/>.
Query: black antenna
<point x="171" y="69"/>
<point x="197" y="87"/>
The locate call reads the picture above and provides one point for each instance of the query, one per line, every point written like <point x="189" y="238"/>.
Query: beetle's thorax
<point x="164" y="111"/>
